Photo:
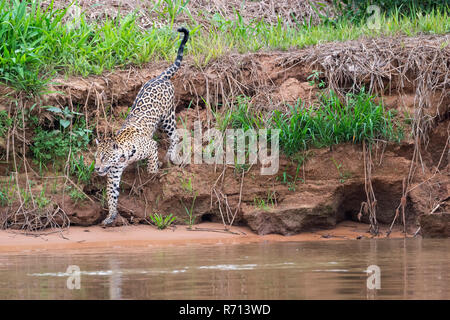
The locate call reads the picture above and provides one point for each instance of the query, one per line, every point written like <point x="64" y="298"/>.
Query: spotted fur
<point x="154" y="106"/>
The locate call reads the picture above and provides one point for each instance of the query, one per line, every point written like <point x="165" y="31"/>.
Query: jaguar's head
<point x="109" y="154"/>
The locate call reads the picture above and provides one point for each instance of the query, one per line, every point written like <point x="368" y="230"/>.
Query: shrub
<point x="54" y="145"/>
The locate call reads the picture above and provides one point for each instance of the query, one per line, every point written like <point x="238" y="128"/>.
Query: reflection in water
<point x="115" y="279"/>
<point x="410" y="269"/>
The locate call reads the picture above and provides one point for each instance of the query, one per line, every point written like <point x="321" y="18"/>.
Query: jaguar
<point x="153" y="107"/>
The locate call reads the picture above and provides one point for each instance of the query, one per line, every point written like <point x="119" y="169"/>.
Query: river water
<point x="408" y="269"/>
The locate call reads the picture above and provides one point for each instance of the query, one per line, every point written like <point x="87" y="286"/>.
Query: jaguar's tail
<point x="176" y="65"/>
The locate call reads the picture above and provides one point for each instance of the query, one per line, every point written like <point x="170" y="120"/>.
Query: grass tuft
<point x="332" y="122"/>
<point x="162" y="222"/>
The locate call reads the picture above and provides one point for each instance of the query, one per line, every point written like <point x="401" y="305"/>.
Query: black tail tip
<point x="184" y="30"/>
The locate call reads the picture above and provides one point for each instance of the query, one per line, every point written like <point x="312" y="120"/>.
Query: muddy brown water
<point x="409" y="269"/>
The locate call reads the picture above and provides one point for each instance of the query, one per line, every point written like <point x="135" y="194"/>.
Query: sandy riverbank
<point x="144" y="235"/>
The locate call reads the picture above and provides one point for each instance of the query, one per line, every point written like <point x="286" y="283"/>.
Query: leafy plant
<point x="48" y="145"/>
<point x="54" y="189"/>
<point x="290" y="181"/>
<point x="5" y="123"/>
<point x="160" y="221"/>
<point x="343" y="176"/>
<point x="75" y="194"/>
<point x="186" y="184"/>
<point x="190" y="211"/>
<point x="314" y="79"/>
<point x="41" y="200"/>
<point x="79" y="169"/>
<point x="54" y="145"/>
<point x="239" y="168"/>
<point x="4" y="199"/>
<point x="264" y="203"/>
<point x="26" y="196"/>
<point x="260" y="203"/>
<point x="65" y="115"/>
<point x="222" y="118"/>
<point x="124" y="114"/>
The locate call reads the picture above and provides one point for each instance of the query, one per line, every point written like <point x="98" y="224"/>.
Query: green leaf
<point x="64" y="123"/>
<point x="53" y="109"/>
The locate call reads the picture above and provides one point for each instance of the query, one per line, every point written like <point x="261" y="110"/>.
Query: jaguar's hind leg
<point x="169" y="126"/>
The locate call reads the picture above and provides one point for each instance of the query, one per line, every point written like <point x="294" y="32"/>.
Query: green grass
<point x="7" y="191"/>
<point x="290" y="181"/>
<point x="332" y="122"/>
<point x="36" y="44"/>
<point x="41" y="200"/>
<point x="81" y="170"/>
<point x="264" y="204"/>
<point x="256" y="35"/>
<point x="243" y="115"/>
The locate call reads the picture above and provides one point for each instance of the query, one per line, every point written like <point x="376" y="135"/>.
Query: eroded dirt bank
<point x="319" y="198"/>
<point x="330" y="185"/>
